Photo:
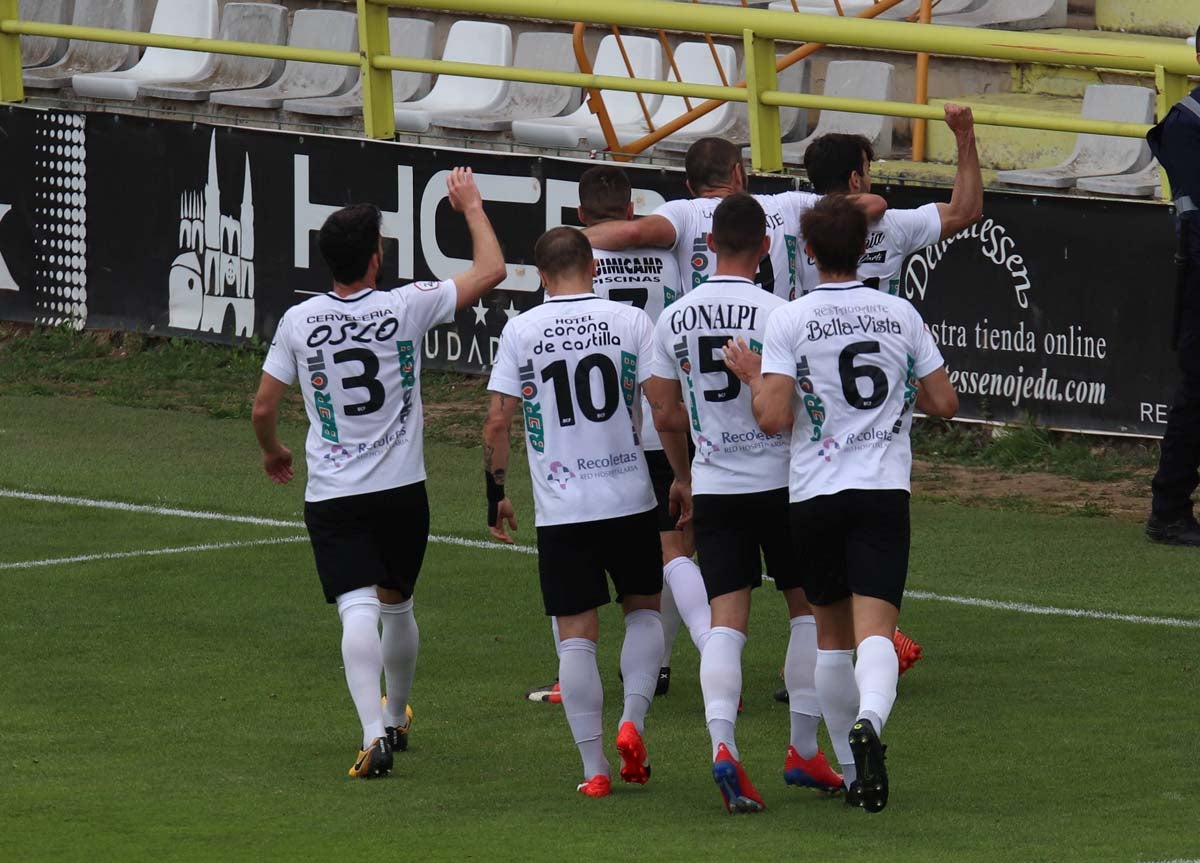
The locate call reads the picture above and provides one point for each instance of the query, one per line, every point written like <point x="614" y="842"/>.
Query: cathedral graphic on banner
<point x="212" y="279"/>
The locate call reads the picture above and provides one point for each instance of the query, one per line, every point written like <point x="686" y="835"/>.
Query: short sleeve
<point x="281" y="359"/>
<point x="662" y="362"/>
<point x="430" y="303"/>
<point x="506" y="378"/>
<point x="679" y="214"/>
<point x="645" y="336"/>
<point x="913" y="230"/>
<point x="779" y="349"/>
<point x="929" y="358"/>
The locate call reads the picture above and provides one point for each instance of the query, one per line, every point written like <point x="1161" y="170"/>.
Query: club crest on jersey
<point x="534" y="429"/>
<point x="408" y="363"/>
<point x="322" y="401"/>
<point x="705" y="448"/>
<point x="559" y="474"/>
<point x="685" y="365"/>
<point x="813" y="406"/>
<point x="338" y="455"/>
<point x="829" y="448"/>
<point x="910" y="392"/>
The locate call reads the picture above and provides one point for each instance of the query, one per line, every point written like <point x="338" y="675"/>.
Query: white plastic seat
<point x="408" y="37"/>
<point x="43" y="50"/>
<point x="467" y="42"/>
<point x="160" y="65"/>
<point x="263" y="23"/>
<point x="856" y="79"/>
<point x="1145" y="183"/>
<point x="81" y="56"/>
<point x="311" y="28"/>
<point x="1098" y="155"/>
<point x="1011" y="15"/>
<point x="550" y="51"/>
<point x="581" y="126"/>
<point x="696" y="66"/>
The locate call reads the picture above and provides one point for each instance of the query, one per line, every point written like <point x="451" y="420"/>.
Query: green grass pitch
<point x="191" y="705"/>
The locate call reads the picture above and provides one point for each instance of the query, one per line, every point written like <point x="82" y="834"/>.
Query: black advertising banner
<point x="1052" y="308"/>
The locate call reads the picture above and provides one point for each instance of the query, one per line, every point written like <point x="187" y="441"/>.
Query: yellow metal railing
<point x="759" y="31"/>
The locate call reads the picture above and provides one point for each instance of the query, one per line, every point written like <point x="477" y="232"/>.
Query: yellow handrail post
<point x="766" y="140"/>
<point x="12" y="89"/>
<point x="919" y="126"/>
<point x="379" y="118"/>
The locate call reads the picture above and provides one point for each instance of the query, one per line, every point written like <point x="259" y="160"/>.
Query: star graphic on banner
<point x="511" y="312"/>
<point x="480" y="311"/>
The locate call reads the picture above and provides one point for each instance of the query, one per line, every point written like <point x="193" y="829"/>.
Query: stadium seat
<point x="311" y="28"/>
<point x="1098" y="155"/>
<point x="160" y="65"/>
<point x="581" y="126"/>
<point x="1145" y="183"/>
<point x="695" y="63"/>
<point x="793" y="122"/>
<point x="857" y="79"/>
<point x="81" y="56"/>
<point x="1011" y="15"/>
<point x="264" y="23"/>
<point x="43" y="50"/>
<point x="467" y="42"/>
<point x="549" y="51"/>
<point x="408" y="37"/>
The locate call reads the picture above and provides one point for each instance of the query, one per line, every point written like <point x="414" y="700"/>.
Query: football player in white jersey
<point x="841" y="164"/>
<point x="356" y="352"/>
<point x="714" y="169"/>
<point x="843" y="367"/>
<point x="574" y="367"/>
<point x="740" y="505"/>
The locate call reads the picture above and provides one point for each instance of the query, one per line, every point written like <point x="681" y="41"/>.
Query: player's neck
<point x="344" y="291"/>
<point x="567" y="289"/>
<point x="827" y="278"/>
<point x="740" y="268"/>
<point x="718" y="192"/>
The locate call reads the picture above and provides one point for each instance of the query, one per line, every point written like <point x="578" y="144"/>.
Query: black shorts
<point x="737" y="533"/>
<point x="377" y="538"/>
<point x="661" y="477"/>
<point x="853" y="542"/>
<point x="573" y="560"/>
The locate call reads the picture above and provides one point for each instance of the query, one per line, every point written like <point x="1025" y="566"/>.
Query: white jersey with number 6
<point x="578" y="362"/>
<point x="856" y="355"/>
<point x="647" y="279"/>
<point x="358" y="360"/>
<point x="733" y="455"/>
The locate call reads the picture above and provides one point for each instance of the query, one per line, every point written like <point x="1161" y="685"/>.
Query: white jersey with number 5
<point x="358" y="360"/>
<point x="777" y="272"/>
<point x="578" y="362"/>
<point x="856" y="355"/>
<point x="733" y="455"/>
<point x="647" y="279"/>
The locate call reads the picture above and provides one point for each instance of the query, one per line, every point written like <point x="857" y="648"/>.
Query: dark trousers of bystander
<point x="1179" y="464"/>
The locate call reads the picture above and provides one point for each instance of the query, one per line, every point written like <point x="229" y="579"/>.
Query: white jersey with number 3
<point x="856" y="355"/>
<point x="577" y="362"/>
<point x="733" y="455"/>
<point x="358" y="360"/>
<point x="647" y="279"/>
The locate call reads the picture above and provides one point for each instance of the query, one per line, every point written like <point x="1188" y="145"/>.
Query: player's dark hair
<point x="348" y="239"/>
<point x="738" y="226"/>
<point x="836" y="231"/>
<point x="832" y="158"/>
<point x="563" y="252"/>
<point x="710" y="162"/>
<point x="604" y="193"/>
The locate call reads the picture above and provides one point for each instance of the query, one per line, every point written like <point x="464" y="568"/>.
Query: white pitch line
<point x="117" y="555"/>
<point x="994" y="604"/>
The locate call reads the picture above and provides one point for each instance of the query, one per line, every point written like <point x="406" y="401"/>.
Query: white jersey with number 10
<point x="577" y="362"/>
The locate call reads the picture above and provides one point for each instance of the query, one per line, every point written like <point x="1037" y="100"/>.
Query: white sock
<point x="583" y="701"/>
<point x="671" y="621"/>
<point x="400" y="643"/>
<point x="721" y="684"/>
<point x="877" y="672"/>
<point x="362" y="657"/>
<point x="640" y="655"/>
<point x="799" y="675"/>
<point x="838" y="692"/>
<point x="691" y="597"/>
<point x="554" y="629"/>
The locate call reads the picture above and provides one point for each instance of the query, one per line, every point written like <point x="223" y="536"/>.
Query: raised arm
<point x="656" y="232"/>
<point x="966" y="201"/>
<point x="936" y="396"/>
<point x="873" y="205"/>
<point x="497" y="443"/>
<point x="487" y="260"/>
